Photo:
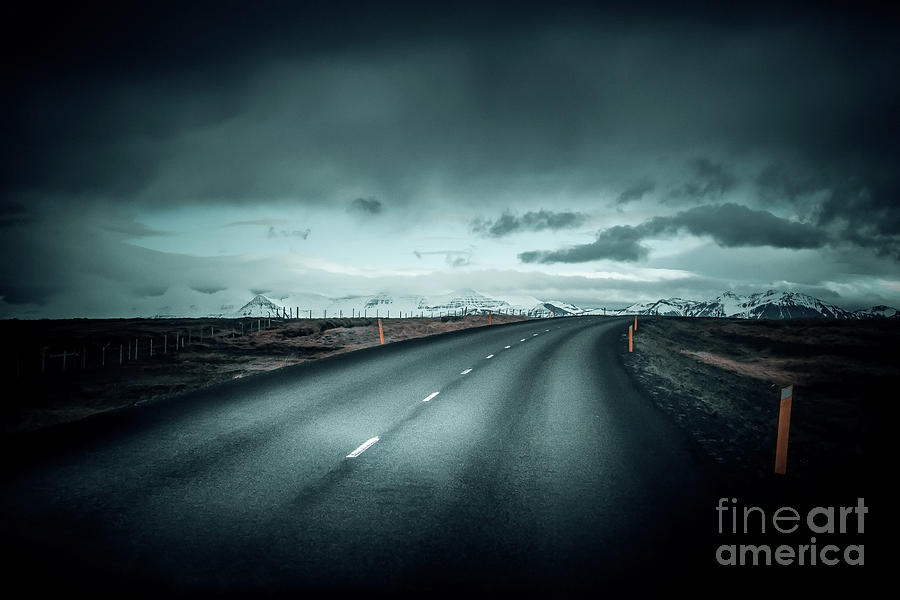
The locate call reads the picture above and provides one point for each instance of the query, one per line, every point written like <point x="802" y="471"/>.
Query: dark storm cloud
<point x="509" y="223"/>
<point x="262" y="222"/>
<point x="13" y="213"/>
<point x="368" y="206"/>
<point x="616" y="243"/>
<point x="733" y="225"/>
<point x="152" y="291"/>
<point x="294" y="233"/>
<point x="128" y="227"/>
<point x="19" y="291"/>
<point x="865" y="214"/>
<point x="862" y="212"/>
<point x="452" y="258"/>
<point x="710" y="180"/>
<point x="636" y="191"/>
<point x="145" y="107"/>
<point x="777" y="182"/>
<point x="729" y="225"/>
<point x="227" y="102"/>
<point x="208" y="289"/>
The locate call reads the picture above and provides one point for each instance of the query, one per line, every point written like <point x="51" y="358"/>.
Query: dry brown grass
<point x="54" y="396"/>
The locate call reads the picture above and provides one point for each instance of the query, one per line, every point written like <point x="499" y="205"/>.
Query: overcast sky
<point x="154" y="157"/>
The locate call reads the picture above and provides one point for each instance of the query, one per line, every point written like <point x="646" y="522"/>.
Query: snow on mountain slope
<point x="259" y="307"/>
<point x="789" y="305"/>
<point x="765" y="305"/>
<point x="671" y="307"/>
<point x="557" y="307"/>
<point x="877" y="312"/>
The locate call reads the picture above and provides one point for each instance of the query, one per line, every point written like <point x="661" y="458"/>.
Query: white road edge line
<point x="489" y="356"/>
<point x="430" y="396"/>
<point x="466" y="372"/>
<point x="365" y="446"/>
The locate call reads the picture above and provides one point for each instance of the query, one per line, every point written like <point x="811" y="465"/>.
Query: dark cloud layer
<point x="540" y="220"/>
<point x="710" y="181"/>
<point x="452" y="258"/>
<point x="636" y="191"/>
<point x="729" y="225"/>
<point x="289" y="233"/>
<point x="227" y="102"/>
<point x="208" y="289"/>
<point x="766" y="126"/>
<point x="367" y="206"/>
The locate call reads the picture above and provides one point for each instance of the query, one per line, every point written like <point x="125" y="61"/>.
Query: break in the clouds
<point x="159" y="155"/>
<point x="509" y="223"/>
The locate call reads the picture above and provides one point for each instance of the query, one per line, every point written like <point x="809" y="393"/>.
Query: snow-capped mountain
<point x="877" y="312"/>
<point x="671" y="307"/>
<point x="557" y="307"/>
<point x="465" y="299"/>
<point x="765" y="305"/>
<point x="776" y="305"/>
<point x="259" y="307"/>
<point x="382" y="304"/>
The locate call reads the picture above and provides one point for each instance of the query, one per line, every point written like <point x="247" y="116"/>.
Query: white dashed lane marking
<point x="506" y="347"/>
<point x="489" y="356"/>
<point x="363" y="447"/>
<point x="522" y="340"/>
<point x="430" y="396"/>
<point x="466" y="372"/>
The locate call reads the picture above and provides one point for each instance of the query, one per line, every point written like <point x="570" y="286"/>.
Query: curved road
<point x="512" y="457"/>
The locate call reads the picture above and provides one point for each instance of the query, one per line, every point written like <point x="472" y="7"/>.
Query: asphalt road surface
<point x="514" y="457"/>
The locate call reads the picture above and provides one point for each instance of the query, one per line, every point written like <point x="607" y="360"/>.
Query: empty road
<point x="509" y="457"/>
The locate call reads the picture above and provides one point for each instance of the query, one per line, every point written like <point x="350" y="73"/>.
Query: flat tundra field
<point x="108" y="363"/>
<point x="720" y="379"/>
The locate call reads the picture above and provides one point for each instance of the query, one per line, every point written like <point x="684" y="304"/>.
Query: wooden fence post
<point x="784" y="427"/>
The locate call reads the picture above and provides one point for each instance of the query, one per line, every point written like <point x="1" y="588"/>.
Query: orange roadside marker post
<point x="635" y="322"/>
<point x="784" y="426"/>
<point x="630" y="339"/>
<point x="490" y="321"/>
<point x="380" y="332"/>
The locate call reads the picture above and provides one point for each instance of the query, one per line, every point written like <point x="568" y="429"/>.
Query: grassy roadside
<point x="720" y="380"/>
<point x="94" y="381"/>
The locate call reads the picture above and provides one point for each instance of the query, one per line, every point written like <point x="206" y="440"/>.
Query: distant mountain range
<point x="386" y="305"/>
<point x="765" y="305"/>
